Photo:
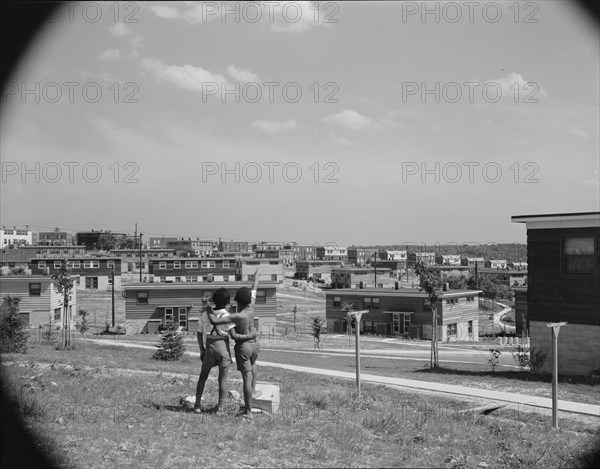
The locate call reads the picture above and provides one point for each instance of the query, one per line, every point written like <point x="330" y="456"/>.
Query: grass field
<point x="119" y="407"/>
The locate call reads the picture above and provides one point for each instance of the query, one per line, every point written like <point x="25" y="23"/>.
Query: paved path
<point x="497" y="396"/>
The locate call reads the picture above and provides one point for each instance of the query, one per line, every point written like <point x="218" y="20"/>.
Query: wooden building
<point x="315" y="268"/>
<point x="193" y="269"/>
<point x="40" y="303"/>
<point x="564" y="285"/>
<point x="271" y="270"/>
<point x="351" y="277"/>
<point x="94" y="273"/>
<point x="148" y="305"/>
<point x="406" y="312"/>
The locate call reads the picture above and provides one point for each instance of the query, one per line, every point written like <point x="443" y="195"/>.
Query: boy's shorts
<point x="217" y="353"/>
<point x="246" y="354"/>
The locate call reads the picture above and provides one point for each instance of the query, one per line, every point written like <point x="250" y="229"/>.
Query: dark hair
<point x="244" y="296"/>
<point x="221" y="298"/>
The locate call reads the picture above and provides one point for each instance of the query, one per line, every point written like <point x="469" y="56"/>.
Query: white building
<point x="15" y="236"/>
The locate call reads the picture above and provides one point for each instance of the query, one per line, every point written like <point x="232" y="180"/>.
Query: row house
<point x="473" y="262"/>
<point x="406" y="312"/>
<point x="427" y="258"/>
<point x="95" y="273"/>
<point x="160" y="242"/>
<point x="448" y="259"/>
<point x="315" y="268"/>
<point x="15" y="237"/>
<point x="332" y="253"/>
<point x="130" y="258"/>
<point x="304" y="252"/>
<point x="270" y="270"/>
<point x="148" y="305"/>
<point x="563" y="286"/>
<point x="393" y="255"/>
<point x="178" y="269"/>
<point x="507" y="277"/>
<point x="360" y="257"/>
<point x="234" y="246"/>
<point x="187" y="247"/>
<point x="90" y="239"/>
<point x="517" y="265"/>
<point x="496" y="264"/>
<point x="56" y="238"/>
<point x="40" y="303"/>
<point x="354" y="277"/>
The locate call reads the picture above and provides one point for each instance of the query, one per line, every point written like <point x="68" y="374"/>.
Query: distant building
<point x="428" y="258"/>
<point x="393" y="255"/>
<point x="507" y="277"/>
<point x="471" y="262"/>
<point x="192" y="269"/>
<point x="406" y="312"/>
<point x="304" y="252"/>
<point x="360" y="257"/>
<point x="271" y="270"/>
<point x="332" y="253"/>
<point x="94" y="273"/>
<point x="352" y="277"/>
<point x="234" y="246"/>
<point x="496" y="264"/>
<point x="56" y="238"/>
<point x="315" y="268"/>
<point x="15" y="237"/>
<point x="40" y="303"/>
<point x="160" y="242"/>
<point x="563" y="285"/>
<point x="90" y="239"/>
<point x="448" y="259"/>
<point x="148" y="305"/>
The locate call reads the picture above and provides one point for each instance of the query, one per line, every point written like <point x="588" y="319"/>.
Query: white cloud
<point x="299" y="16"/>
<point x="165" y="11"/>
<point x="110" y="54"/>
<point x="341" y="140"/>
<point x="185" y="76"/>
<point x="579" y="133"/>
<point x="349" y="119"/>
<point x="119" y="30"/>
<point x="514" y="87"/>
<point x="242" y="75"/>
<point x="274" y="127"/>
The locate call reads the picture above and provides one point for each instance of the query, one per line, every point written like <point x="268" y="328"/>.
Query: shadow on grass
<point x="592" y="380"/>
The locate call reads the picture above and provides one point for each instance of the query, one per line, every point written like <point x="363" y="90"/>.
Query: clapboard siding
<point x="550" y="295"/>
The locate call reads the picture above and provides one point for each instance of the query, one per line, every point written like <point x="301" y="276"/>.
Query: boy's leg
<point x="201" y="382"/>
<point x="247" y="384"/>
<point x="223" y="373"/>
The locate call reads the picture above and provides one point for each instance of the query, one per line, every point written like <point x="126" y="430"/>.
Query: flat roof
<point x="184" y="285"/>
<point x="559" y="220"/>
<point x="400" y="292"/>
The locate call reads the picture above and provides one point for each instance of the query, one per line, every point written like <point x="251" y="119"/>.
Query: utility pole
<point x="135" y="237"/>
<point x="141" y="261"/>
<point x="112" y="273"/>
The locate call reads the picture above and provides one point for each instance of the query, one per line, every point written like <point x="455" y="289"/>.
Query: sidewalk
<point x="495" y="396"/>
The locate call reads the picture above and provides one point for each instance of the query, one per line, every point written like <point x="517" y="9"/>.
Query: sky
<point x="349" y="123"/>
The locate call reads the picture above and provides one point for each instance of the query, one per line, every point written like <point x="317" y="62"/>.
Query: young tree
<point x="82" y="326"/>
<point x="348" y="307"/>
<point x="64" y="285"/>
<point x="317" y="325"/>
<point x="13" y="337"/>
<point x="431" y="284"/>
<point x="295" y="316"/>
<point x="171" y="345"/>
<point x="17" y="271"/>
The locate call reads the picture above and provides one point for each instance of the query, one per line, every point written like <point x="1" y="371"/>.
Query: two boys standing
<point x="240" y="327"/>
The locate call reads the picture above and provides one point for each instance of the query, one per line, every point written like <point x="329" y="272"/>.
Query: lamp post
<point x="555" y="330"/>
<point x="357" y="315"/>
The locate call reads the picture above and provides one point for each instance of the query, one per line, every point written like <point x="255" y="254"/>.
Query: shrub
<point x="13" y="336"/>
<point x="171" y="345"/>
<point x="536" y="359"/>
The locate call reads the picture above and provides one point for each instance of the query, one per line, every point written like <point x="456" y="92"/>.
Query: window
<point x="337" y="301"/>
<point x="57" y="264"/>
<point x="142" y="298"/>
<point x="57" y="314"/>
<point x="110" y="264"/>
<point x="261" y="297"/>
<point x="168" y="314"/>
<point x="274" y="277"/>
<point x="177" y="265"/>
<point x="74" y="264"/>
<point x="451" y="329"/>
<point x="274" y="262"/>
<point x="41" y="264"/>
<point x="91" y="264"/>
<point x="35" y="289"/>
<point x="470" y="327"/>
<point x="578" y="256"/>
<point x="163" y="279"/>
<point x="207" y="264"/>
<point x="91" y="283"/>
<point x="367" y="302"/>
<point x="178" y="279"/>
<point x="162" y="265"/>
<point x="226" y="278"/>
<point x="251" y="277"/>
<point x="190" y="278"/>
<point x="225" y="263"/>
<point x="182" y="317"/>
<point x="191" y="264"/>
<point x="375" y="302"/>
<point x="371" y="302"/>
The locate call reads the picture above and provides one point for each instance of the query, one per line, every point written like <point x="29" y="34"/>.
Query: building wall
<point x="270" y="270"/>
<point x="553" y="297"/>
<point x="577" y="347"/>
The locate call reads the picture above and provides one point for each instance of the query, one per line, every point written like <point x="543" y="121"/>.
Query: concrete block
<point x="267" y="398"/>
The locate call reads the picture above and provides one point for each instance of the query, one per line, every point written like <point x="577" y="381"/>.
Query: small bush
<point x="171" y="345"/>
<point x="13" y="336"/>
<point x="537" y="359"/>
